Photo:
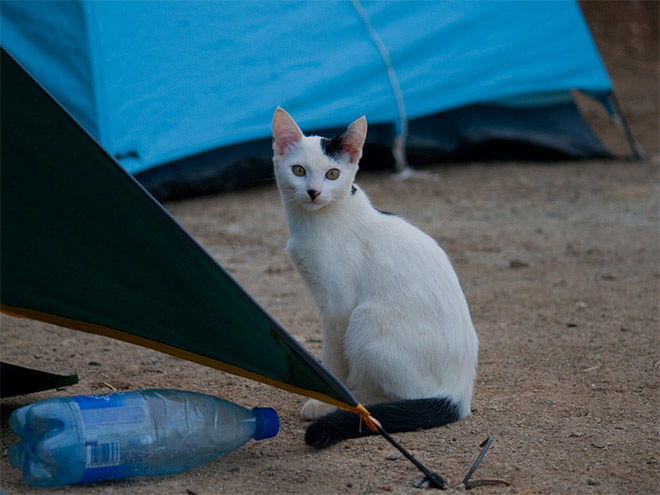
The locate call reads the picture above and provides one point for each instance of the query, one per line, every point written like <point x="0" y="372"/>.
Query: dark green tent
<point x="85" y="246"/>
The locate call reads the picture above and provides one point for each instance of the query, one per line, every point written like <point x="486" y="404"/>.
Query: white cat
<point x="396" y="326"/>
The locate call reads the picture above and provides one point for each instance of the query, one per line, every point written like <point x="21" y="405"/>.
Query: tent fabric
<point x="18" y="380"/>
<point x="85" y="246"/>
<point x="477" y="132"/>
<point x="158" y="82"/>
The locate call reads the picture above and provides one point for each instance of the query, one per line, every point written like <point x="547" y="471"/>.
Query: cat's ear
<point x="352" y="139"/>
<point x="285" y="132"/>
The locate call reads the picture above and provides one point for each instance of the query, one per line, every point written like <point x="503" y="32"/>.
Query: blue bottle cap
<point x="268" y="422"/>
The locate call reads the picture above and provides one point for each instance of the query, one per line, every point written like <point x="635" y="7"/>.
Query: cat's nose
<point x="313" y="193"/>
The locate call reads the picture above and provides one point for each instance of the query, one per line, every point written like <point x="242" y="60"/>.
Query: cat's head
<point x="312" y="171"/>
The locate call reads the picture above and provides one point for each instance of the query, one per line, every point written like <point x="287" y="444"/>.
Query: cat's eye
<point x="298" y="170"/>
<point x="332" y="174"/>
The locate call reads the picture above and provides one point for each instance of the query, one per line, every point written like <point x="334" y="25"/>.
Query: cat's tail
<point x="398" y="416"/>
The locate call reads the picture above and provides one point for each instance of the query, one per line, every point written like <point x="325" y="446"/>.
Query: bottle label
<point x="115" y="431"/>
<point x="104" y="454"/>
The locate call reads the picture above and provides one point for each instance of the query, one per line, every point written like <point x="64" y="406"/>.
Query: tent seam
<point x="399" y="145"/>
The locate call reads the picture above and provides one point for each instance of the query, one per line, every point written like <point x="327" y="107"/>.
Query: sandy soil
<point x="559" y="263"/>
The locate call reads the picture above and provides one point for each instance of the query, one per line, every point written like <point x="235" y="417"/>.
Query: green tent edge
<point x="95" y="329"/>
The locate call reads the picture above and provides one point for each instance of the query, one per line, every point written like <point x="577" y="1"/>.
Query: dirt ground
<point x="559" y="262"/>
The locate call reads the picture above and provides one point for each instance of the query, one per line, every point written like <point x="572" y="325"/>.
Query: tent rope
<point x="399" y="144"/>
<point x="431" y="479"/>
<point x="619" y="118"/>
<point x="434" y="479"/>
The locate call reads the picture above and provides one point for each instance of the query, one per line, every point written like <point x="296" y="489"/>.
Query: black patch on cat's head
<point x="384" y="212"/>
<point x="332" y="147"/>
<point x="353" y="190"/>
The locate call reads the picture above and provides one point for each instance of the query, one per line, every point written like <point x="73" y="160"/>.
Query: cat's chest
<point x="317" y="260"/>
<point x="330" y="271"/>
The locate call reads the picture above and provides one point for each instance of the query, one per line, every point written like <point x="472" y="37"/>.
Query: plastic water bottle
<point x="143" y="433"/>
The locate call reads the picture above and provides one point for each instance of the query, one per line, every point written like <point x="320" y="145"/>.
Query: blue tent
<point x="182" y="93"/>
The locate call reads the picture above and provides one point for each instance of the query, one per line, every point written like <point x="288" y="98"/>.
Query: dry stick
<point x="477" y="483"/>
<point x="488" y="482"/>
<point x="484" y="447"/>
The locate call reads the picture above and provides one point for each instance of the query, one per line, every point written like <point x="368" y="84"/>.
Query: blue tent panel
<point x="157" y="82"/>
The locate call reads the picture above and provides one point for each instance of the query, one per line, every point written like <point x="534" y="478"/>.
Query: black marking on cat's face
<point x="353" y="190"/>
<point x="332" y="147"/>
<point x="385" y="212"/>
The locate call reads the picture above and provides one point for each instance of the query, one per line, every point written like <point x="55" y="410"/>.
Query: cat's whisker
<point x="277" y="194"/>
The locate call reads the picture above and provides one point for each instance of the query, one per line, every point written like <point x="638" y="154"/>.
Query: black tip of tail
<point x="399" y="416"/>
<point x="333" y="428"/>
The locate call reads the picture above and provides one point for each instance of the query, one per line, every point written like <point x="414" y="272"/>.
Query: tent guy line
<point x="399" y="144"/>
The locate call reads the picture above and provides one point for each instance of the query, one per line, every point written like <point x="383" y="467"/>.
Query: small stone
<point x="517" y="264"/>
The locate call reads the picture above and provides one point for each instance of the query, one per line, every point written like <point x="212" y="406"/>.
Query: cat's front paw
<point x="314" y="409"/>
